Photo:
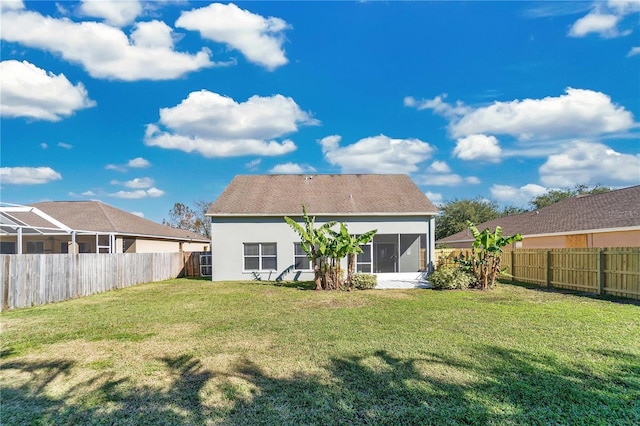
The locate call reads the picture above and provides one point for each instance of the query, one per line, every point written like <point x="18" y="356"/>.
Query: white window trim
<point x="295" y="256"/>
<point x="370" y="262"/>
<point x="260" y="256"/>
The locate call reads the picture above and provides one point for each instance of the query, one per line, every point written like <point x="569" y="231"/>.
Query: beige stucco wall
<point x="616" y="239"/>
<point x="155" y="246"/>
<point x="597" y="239"/>
<point x="53" y="244"/>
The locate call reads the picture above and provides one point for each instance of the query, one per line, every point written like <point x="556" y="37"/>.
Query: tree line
<point x="455" y="214"/>
<point x="453" y="217"/>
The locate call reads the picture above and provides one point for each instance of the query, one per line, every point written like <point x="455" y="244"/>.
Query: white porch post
<point x="432" y="244"/>
<point x="19" y="241"/>
<point x="74" y="250"/>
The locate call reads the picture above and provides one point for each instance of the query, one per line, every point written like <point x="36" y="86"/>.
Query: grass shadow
<point x="556" y="290"/>
<point x="494" y="385"/>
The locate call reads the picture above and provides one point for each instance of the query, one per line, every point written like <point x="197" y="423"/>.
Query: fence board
<point x="37" y="279"/>
<point x="613" y="271"/>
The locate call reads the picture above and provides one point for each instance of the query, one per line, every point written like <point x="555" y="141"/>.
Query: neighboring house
<point x="250" y="238"/>
<point x="88" y="227"/>
<point x="610" y="219"/>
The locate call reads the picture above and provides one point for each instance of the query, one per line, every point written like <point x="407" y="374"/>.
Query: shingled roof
<point x="323" y="195"/>
<point x="96" y="216"/>
<point x="608" y="210"/>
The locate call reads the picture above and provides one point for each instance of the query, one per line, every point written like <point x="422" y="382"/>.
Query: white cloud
<point x="28" y="175"/>
<point x="31" y="92"/>
<point x="603" y="24"/>
<point x="377" y="154"/>
<point x="579" y="112"/>
<point x="115" y="12"/>
<point x="434" y="197"/>
<point x="604" y="19"/>
<point x="448" y="179"/>
<point x="139" y="193"/>
<point x="218" y="126"/>
<point x="634" y="51"/>
<point x="44" y="145"/>
<point x="139" y="214"/>
<point x="438" y="105"/>
<point x="253" y="164"/>
<point x="439" y="167"/>
<point x="134" y="163"/>
<point x="517" y="196"/>
<point x="259" y="39"/>
<point x="139" y="183"/>
<point x="439" y="174"/>
<point x="11" y="5"/>
<point x="590" y="163"/>
<point x="138" y="163"/>
<point x="292" y="168"/>
<point x="478" y="147"/>
<point x="105" y="51"/>
<point x="65" y="145"/>
<point x="89" y="193"/>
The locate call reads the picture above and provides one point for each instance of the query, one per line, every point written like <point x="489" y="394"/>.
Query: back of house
<point x="251" y="240"/>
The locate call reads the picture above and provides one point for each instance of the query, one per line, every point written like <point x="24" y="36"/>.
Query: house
<point x="88" y="227"/>
<point x="250" y="238"/>
<point x="609" y="219"/>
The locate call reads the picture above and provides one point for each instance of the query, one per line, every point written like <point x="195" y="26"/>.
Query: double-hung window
<point x="260" y="257"/>
<point x="300" y="260"/>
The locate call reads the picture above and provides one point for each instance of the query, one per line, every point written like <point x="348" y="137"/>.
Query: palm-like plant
<point x="313" y="240"/>
<point x="486" y="253"/>
<point x="349" y="245"/>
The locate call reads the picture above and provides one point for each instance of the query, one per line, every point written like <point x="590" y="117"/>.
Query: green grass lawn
<point x="195" y="352"/>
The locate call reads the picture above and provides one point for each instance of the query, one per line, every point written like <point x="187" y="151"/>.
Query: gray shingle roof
<point x="264" y="195"/>
<point x="613" y="209"/>
<point x="99" y="217"/>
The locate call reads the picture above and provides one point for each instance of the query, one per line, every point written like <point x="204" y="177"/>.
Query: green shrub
<point x="450" y="278"/>
<point x="364" y="281"/>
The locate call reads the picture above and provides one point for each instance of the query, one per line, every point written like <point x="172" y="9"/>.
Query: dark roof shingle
<point x="613" y="209"/>
<point x="264" y="195"/>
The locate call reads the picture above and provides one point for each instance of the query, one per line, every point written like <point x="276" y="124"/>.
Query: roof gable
<point x="608" y="210"/>
<point x="96" y="216"/>
<point x="264" y="195"/>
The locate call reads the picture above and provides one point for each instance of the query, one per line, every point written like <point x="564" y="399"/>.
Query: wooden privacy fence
<point x="38" y="279"/>
<point x="613" y="271"/>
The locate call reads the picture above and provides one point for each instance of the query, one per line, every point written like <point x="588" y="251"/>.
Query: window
<point x="7" y="247"/>
<point x="260" y="257"/>
<point x="35" y="247"/>
<point x="363" y="260"/>
<point x="300" y="260"/>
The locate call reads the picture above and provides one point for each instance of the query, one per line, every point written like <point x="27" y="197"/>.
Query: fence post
<point x="600" y="271"/>
<point x="548" y="268"/>
<point x="513" y="265"/>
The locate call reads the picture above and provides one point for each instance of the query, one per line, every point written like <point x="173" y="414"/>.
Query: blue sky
<point x="145" y="104"/>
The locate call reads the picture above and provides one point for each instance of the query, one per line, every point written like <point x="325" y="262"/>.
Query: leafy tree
<point x="182" y="216"/>
<point x="552" y="196"/>
<point x="512" y="210"/>
<point x="455" y="214"/>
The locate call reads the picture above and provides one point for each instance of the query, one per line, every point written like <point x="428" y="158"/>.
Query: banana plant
<point x="349" y="245"/>
<point x="313" y="240"/>
<point x="486" y="253"/>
